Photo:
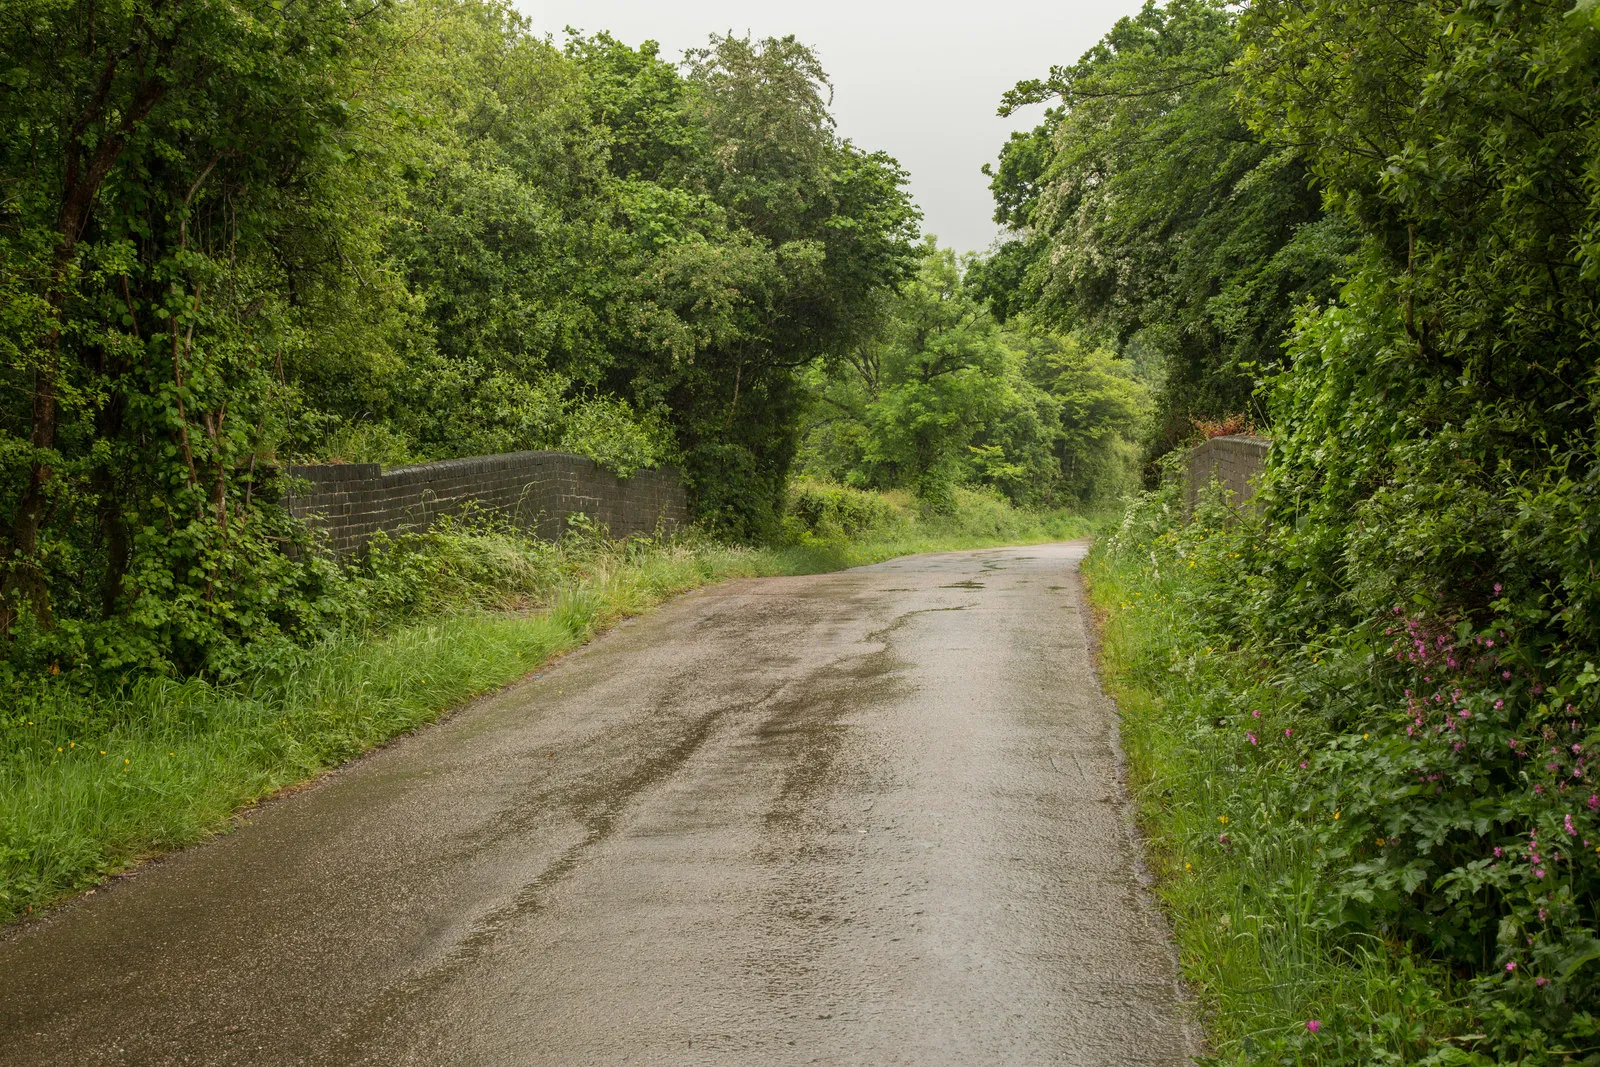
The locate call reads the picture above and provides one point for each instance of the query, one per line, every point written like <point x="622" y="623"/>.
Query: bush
<point x="1433" y="756"/>
<point x="829" y="510"/>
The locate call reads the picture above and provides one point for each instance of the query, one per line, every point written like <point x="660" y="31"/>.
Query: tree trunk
<point x="22" y="582"/>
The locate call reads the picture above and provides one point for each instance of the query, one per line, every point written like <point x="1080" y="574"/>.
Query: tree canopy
<point x="940" y="393"/>
<point x="1145" y="211"/>
<point x="240" y="234"/>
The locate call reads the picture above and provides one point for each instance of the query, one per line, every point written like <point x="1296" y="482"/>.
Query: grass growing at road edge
<point x="1209" y="736"/>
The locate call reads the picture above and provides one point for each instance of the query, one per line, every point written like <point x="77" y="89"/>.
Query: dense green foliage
<point x="1419" y="568"/>
<point x="1243" y="790"/>
<point x="1143" y="210"/>
<point x="234" y="234"/>
<point x="940" y="394"/>
<point x="1433" y="503"/>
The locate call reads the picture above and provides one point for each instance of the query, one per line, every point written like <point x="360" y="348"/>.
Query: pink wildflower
<point x="1313" y="1025"/>
<point x="1250" y="736"/>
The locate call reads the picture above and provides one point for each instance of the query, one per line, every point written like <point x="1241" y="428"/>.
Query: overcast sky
<point x="920" y="81"/>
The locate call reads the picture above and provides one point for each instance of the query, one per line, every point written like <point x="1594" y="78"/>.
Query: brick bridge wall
<point x="1233" y="461"/>
<point x="349" y="502"/>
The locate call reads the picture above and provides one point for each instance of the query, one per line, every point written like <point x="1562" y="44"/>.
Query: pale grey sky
<point x="920" y="81"/>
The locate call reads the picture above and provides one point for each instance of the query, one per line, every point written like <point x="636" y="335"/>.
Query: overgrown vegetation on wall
<point x="1415" y="599"/>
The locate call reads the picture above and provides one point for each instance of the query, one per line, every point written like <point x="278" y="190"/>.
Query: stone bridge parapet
<point x="1234" y="461"/>
<point x="347" y="503"/>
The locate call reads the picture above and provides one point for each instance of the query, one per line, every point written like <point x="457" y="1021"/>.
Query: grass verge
<point x="1219" y="781"/>
<point x="91" y="781"/>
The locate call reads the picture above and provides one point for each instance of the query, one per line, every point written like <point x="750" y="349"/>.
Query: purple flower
<point x="1250" y="736"/>
<point x="1496" y="588"/>
<point x="1498" y="852"/>
<point x="1313" y="1025"/>
<point x="1288" y="733"/>
<point x="1302" y="765"/>
<point x="1541" y="982"/>
<point x="1510" y="967"/>
<point x="1571" y="830"/>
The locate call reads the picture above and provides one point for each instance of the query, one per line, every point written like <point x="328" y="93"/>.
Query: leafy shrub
<point x="1434" y="754"/>
<point x="1256" y="833"/>
<point x="825" y="509"/>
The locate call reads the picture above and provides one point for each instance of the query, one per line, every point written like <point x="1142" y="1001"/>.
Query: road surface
<point x="870" y="817"/>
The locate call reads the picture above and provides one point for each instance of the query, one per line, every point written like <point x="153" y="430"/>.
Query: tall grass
<point x="1235" y="863"/>
<point x="91" y="780"/>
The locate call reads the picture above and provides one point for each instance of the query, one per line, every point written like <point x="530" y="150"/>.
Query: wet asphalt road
<point x="870" y="818"/>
